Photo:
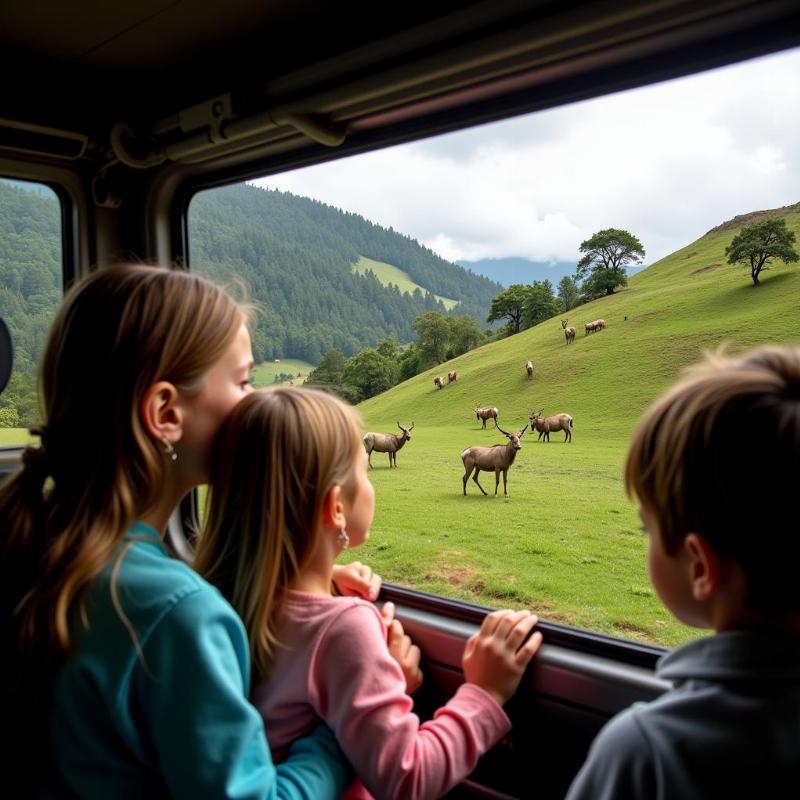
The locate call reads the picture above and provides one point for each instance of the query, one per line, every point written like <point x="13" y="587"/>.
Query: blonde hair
<point x="116" y="333"/>
<point x="719" y="455"/>
<point x="277" y="457"/>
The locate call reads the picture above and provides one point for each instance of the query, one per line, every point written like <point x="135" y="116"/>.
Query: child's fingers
<point x="518" y="633"/>
<point x="529" y="649"/>
<point x="387" y="612"/>
<point x="509" y="621"/>
<point x="491" y="621"/>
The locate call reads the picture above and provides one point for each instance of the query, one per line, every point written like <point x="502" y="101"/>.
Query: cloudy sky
<point x="667" y="162"/>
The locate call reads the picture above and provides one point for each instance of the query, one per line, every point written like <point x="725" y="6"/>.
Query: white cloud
<point x="667" y="162"/>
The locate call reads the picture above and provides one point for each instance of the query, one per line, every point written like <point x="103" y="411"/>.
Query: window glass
<point x="421" y="282"/>
<point x="30" y="291"/>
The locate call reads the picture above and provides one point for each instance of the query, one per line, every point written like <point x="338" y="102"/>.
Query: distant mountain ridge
<point x="517" y="269"/>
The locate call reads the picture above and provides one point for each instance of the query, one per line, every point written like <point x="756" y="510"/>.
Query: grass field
<point x="386" y="274"/>
<point x="566" y="542"/>
<point x="13" y="437"/>
<point x="264" y="374"/>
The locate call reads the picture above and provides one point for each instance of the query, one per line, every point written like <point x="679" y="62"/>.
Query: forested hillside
<point x="296" y="257"/>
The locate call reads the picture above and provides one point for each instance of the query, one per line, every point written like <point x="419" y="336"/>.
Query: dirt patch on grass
<point x="754" y="216"/>
<point x="629" y="630"/>
<point x="451" y="567"/>
<point x="708" y="268"/>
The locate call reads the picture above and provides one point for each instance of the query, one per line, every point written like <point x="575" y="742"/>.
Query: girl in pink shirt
<point x="289" y="494"/>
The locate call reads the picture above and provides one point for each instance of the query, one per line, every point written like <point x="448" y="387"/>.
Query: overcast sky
<point x="667" y="162"/>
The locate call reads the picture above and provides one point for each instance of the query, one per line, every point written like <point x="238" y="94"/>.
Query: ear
<point x="705" y="570"/>
<point x="161" y="414"/>
<point x="333" y="515"/>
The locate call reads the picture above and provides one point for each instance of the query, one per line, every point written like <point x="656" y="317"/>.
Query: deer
<point x="529" y="368"/>
<point x="548" y="425"/>
<point x="600" y="324"/>
<point x="485" y="413"/>
<point x="497" y="458"/>
<point x="386" y="443"/>
<point x="438" y="382"/>
<point x="589" y="327"/>
<point x="451" y="376"/>
<point x="569" y="331"/>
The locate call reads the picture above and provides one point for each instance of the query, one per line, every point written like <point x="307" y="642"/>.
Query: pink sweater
<point x="335" y="666"/>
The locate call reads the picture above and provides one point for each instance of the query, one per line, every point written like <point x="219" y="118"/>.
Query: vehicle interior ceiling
<point x="128" y="109"/>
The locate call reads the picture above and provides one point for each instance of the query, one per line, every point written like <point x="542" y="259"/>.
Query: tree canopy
<point x="756" y="245"/>
<point x="509" y="305"/>
<point x="606" y="254"/>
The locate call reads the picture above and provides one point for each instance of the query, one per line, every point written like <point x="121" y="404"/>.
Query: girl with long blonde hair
<point x="119" y="661"/>
<point x="289" y="493"/>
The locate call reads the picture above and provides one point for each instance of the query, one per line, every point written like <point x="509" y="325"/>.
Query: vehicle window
<point x="429" y="281"/>
<point x="31" y="276"/>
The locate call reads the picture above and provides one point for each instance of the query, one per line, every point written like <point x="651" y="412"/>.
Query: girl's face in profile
<point x="361" y="508"/>
<point x="224" y="385"/>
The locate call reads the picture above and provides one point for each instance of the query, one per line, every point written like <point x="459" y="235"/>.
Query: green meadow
<point x="566" y="542"/>
<point x="388" y="274"/>
<point x="14" y="437"/>
<point x="264" y="374"/>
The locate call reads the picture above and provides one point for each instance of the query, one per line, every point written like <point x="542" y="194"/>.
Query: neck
<point x="157" y="516"/>
<point x="316" y="575"/>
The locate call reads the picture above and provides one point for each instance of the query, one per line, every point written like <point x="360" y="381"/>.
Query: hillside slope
<point x="566" y="542"/>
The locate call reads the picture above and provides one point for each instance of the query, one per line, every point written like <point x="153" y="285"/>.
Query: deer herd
<point x="496" y="458"/>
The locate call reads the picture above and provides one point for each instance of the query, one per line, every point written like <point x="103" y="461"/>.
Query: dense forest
<point x="295" y="256"/>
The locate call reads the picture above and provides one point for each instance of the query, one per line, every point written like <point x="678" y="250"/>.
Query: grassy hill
<point x="264" y="374"/>
<point x="388" y="274"/>
<point x="566" y="542"/>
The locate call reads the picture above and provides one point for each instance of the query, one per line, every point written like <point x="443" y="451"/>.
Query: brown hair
<point x="116" y="333"/>
<point x="719" y="455"/>
<point x="276" y="458"/>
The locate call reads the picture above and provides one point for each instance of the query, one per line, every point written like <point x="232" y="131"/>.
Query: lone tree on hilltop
<point x="510" y="305"/>
<point x="605" y="256"/>
<point x="756" y="245"/>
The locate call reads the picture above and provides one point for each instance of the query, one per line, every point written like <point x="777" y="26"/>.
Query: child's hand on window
<point x="401" y="649"/>
<point x="495" y="657"/>
<point x="357" y="580"/>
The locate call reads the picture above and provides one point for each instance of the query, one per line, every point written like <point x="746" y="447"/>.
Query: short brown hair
<point x="719" y="455"/>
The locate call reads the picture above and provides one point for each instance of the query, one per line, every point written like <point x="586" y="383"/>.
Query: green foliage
<point x="606" y="254"/>
<point x="433" y="335"/>
<point x="9" y="418"/>
<point x="568" y="293"/>
<point x="509" y="305"/>
<point x="756" y="245"/>
<point x="370" y="373"/>
<point x="540" y="303"/>
<point x="464" y="335"/>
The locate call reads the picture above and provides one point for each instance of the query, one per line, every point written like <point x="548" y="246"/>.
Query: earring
<point x="343" y="540"/>
<point x="169" y="449"/>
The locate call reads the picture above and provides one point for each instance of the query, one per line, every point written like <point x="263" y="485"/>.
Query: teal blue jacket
<point x="157" y="706"/>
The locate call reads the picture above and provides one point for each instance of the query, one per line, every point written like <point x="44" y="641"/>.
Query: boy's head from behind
<point x="718" y="455"/>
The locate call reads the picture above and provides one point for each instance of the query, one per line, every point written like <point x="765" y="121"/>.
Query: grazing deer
<point x="497" y="459"/>
<point x="486" y="412"/>
<point x="548" y="425"/>
<point x="569" y="331"/>
<point x="529" y="368"/>
<point x="589" y="327"/>
<point x="600" y="324"/>
<point x="386" y="443"/>
<point x="438" y="382"/>
<point x="451" y="376"/>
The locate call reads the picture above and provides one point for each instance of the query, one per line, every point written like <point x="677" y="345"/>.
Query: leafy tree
<point x="540" y="304"/>
<point x="509" y="305"/>
<point x="389" y="347"/>
<point x="409" y="362"/>
<point x="465" y="335"/>
<point x="329" y="370"/>
<point x="568" y="293"/>
<point x="756" y="245"/>
<point x="605" y="256"/>
<point x="433" y="335"/>
<point x="371" y="373"/>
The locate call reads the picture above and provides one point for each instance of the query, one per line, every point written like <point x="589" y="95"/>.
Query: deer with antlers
<point x="569" y="331"/>
<point x="386" y="443"/>
<point x="548" y="425"/>
<point x="497" y="458"/>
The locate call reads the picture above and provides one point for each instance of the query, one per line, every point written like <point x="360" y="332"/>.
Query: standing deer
<point x="438" y="382"/>
<point x="386" y="443"/>
<point x="529" y="368"/>
<point x="589" y="327"/>
<point x="451" y="376"/>
<point x="600" y="324"/>
<point x="497" y="458"/>
<point x="548" y="425"/>
<point x="486" y="412"/>
<point x="569" y="331"/>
